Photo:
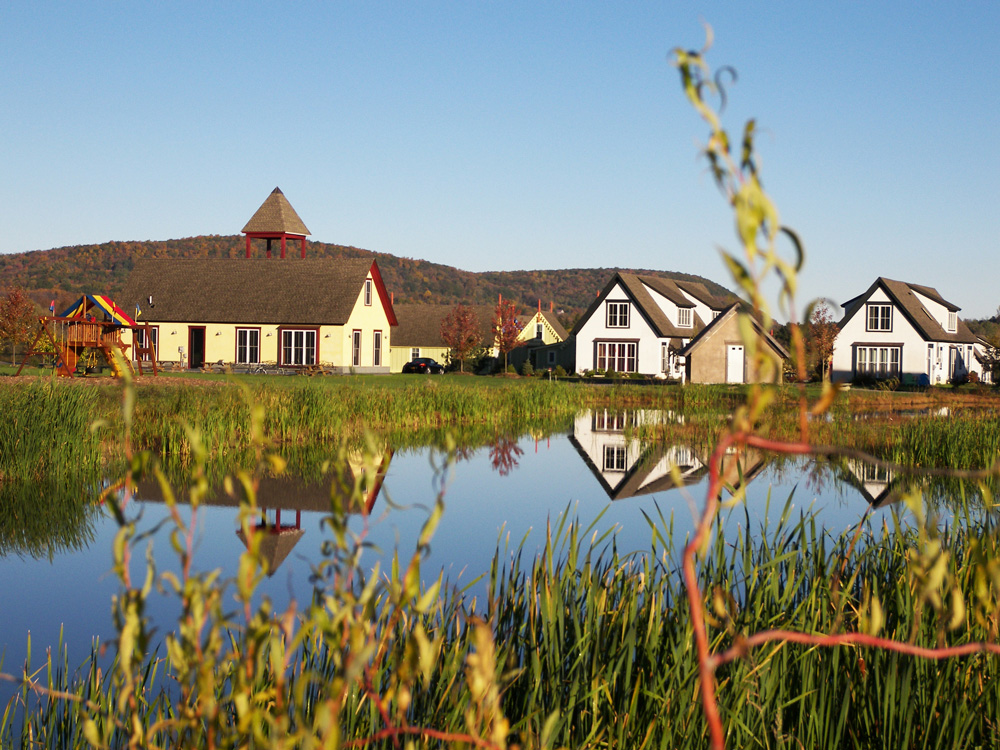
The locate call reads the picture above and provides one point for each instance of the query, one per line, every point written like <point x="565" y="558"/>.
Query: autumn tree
<point x="506" y="328"/>
<point x="460" y="331"/>
<point x="17" y="319"/>
<point x="822" y="332"/>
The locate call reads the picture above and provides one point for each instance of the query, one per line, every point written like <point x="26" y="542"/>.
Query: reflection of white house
<point x="625" y="467"/>
<point x="906" y="331"/>
<point x="640" y="324"/>
<point x="608" y="443"/>
<point x="875" y="483"/>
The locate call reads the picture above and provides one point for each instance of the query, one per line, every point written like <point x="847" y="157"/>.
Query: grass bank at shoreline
<point x="40" y="413"/>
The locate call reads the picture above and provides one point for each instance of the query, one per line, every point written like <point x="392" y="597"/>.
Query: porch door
<point x="734" y="363"/>
<point x="196" y="347"/>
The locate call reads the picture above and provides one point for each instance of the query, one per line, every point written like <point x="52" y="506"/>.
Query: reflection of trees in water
<point x="42" y="518"/>
<point x="504" y="454"/>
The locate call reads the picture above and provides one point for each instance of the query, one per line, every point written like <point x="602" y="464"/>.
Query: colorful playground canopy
<point x="87" y="303"/>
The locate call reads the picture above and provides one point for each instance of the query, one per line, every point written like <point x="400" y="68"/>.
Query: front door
<point x="196" y="346"/>
<point x="734" y="363"/>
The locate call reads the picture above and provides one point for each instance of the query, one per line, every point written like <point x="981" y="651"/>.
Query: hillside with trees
<point x="62" y="274"/>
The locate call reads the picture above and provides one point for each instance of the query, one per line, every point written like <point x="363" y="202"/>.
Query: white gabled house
<point x="640" y="324"/>
<point x="905" y="331"/>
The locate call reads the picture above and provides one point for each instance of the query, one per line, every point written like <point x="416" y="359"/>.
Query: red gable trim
<point x="383" y="294"/>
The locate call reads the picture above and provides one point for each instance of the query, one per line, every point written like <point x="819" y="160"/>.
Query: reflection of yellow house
<point x="287" y="312"/>
<point x="282" y="500"/>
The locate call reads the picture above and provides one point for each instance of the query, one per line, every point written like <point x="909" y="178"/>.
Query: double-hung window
<point x="618" y="356"/>
<point x="614" y="458"/>
<point x="879" y="318"/>
<point x="377" y="349"/>
<point x="298" y="347"/>
<point x="877" y="361"/>
<point x="952" y="322"/>
<point x="356" y="348"/>
<point x="684" y="317"/>
<point x="368" y="292"/>
<point x="617" y="315"/>
<point x="247" y="346"/>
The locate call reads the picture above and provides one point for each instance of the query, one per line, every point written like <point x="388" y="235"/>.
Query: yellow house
<point x="419" y="332"/>
<point x="290" y="313"/>
<point x="250" y="312"/>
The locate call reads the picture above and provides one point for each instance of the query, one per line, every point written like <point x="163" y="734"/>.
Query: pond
<point x="598" y="471"/>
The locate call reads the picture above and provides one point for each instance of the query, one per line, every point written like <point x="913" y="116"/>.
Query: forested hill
<point x="66" y="272"/>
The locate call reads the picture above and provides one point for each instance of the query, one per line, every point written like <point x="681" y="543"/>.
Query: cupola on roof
<point x="276" y="216"/>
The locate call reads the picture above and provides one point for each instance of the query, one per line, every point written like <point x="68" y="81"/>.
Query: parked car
<point x="424" y="366"/>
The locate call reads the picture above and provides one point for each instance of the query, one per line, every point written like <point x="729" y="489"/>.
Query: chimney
<point x="552" y="306"/>
<point x="539" y="305"/>
<point x="392" y="298"/>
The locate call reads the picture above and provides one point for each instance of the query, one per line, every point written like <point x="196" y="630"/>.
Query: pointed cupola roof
<point x="276" y="216"/>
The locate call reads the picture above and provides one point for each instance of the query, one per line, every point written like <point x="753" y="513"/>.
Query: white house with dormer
<point x="672" y="329"/>
<point x="639" y="324"/>
<point x="906" y="331"/>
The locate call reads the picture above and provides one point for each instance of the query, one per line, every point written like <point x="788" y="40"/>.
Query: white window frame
<point x="298" y="346"/>
<point x="539" y="331"/>
<point x="368" y="292"/>
<point x="878" y="317"/>
<point x="414" y="353"/>
<point x="667" y="357"/>
<point x="377" y="349"/>
<point x="615" y="458"/>
<point x="617" y="356"/>
<point x="140" y="340"/>
<point x="878" y="361"/>
<point x="246" y="344"/>
<point x="684" y="317"/>
<point x="952" y="322"/>
<point x="617" y="315"/>
<point x="356" y="347"/>
<point x="603" y="420"/>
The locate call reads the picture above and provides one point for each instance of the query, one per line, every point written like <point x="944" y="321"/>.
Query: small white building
<point x="900" y="330"/>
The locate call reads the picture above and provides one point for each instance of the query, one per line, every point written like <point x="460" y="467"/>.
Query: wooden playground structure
<point x="90" y="330"/>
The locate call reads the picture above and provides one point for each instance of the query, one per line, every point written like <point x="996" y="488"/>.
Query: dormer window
<point x="952" y="322"/>
<point x="879" y="318"/>
<point x="617" y="315"/>
<point x="684" y="317"/>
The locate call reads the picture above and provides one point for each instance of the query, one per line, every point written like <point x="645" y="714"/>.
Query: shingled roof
<point x="904" y="295"/>
<point x="635" y="287"/>
<point x="320" y="291"/>
<point x="420" y="325"/>
<point x="276" y="216"/>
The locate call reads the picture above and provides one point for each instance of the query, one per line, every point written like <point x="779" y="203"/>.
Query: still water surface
<point x="515" y="487"/>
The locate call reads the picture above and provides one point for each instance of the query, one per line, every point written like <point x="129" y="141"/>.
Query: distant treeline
<point x="62" y="274"/>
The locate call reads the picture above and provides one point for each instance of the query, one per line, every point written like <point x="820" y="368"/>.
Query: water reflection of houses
<point x="877" y="484"/>
<point x="625" y="466"/>
<point x="281" y="501"/>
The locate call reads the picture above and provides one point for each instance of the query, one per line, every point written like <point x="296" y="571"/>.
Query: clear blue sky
<point x="511" y="135"/>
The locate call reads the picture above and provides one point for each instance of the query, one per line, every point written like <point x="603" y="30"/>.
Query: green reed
<point x="593" y="650"/>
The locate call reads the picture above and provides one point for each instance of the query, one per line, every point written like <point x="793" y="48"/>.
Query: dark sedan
<point x="424" y="366"/>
